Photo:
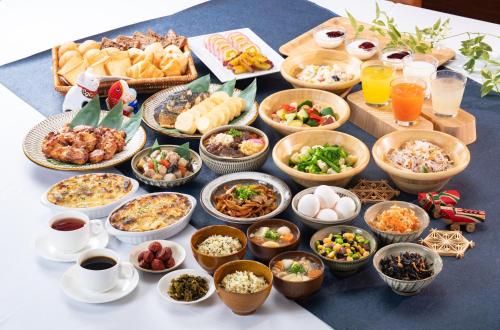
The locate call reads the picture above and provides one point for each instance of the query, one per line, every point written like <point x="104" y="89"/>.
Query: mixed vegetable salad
<point x="327" y="159"/>
<point x="305" y="113"/>
<point x="343" y="246"/>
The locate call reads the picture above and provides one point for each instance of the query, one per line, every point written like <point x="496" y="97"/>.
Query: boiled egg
<point x="309" y="205"/>
<point x="345" y="207"/>
<point x="327" y="197"/>
<point x="327" y="215"/>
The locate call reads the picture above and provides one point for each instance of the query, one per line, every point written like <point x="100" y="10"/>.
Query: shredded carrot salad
<point x="396" y="219"/>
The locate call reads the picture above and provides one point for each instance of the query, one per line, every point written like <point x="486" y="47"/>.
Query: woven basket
<point x="144" y="85"/>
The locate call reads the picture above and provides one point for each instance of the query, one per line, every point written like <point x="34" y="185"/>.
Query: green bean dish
<point x="327" y="159"/>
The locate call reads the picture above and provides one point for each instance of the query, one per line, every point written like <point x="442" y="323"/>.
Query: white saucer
<point x="73" y="289"/>
<point x="45" y="249"/>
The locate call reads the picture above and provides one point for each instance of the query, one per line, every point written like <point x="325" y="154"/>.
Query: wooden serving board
<point x="380" y="121"/>
<point x="305" y="42"/>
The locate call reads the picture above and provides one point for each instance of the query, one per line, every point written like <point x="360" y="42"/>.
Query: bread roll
<point x="110" y="50"/>
<point x="87" y="45"/>
<point x="92" y="53"/>
<point x="170" y="67"/>
<point x="65" y="47"/>
<point x="67" y="55"/>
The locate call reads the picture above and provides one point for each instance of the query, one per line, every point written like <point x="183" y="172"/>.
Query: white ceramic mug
<point x="73" y="240"/>
<point x="105" y="279"/>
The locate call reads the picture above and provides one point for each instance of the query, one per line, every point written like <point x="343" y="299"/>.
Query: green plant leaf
<point x="248" y="94"/>
<point x="183" y="151"/>
<point x="486" y="73"/>
<point x="199" y="85"/>
<point x="59" y="163"/>
<point x="88" y="115"/>
<point x="154" y="147"/>
<point x="486" y="89"/>
<point x="131" y="126"/>
<point x="469" y="65"/>
<point x="228" y="87"/>
<point x="114" y="117"/>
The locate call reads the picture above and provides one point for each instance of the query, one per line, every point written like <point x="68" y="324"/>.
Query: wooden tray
<point x="380" y="121"/>
<point x="306" y="41"/>
<point x="144" y="85"/>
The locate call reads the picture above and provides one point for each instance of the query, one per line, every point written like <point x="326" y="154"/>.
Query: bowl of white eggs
<point x="323" y="206"/>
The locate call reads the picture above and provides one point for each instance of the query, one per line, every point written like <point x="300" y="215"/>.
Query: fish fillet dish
<point x="83" y="144"/>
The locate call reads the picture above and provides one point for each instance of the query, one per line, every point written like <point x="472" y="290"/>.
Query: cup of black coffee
<point x="70" y="231"/>
<point x="100" y="269"/>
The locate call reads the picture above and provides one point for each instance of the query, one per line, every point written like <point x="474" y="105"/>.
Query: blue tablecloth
<point x="464" y="295"/>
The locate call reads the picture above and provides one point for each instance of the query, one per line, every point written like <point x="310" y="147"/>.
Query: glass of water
<point x="447" y="89"/>
<point x="420" y="66"/>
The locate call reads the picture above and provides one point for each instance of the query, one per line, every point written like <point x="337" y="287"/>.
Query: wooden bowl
<point x="274" y="101"/>
<point x="243" y="303"/>
<point x="414" y="183"/>
<point x="294" y="64"/>
<point x="211" y="263"/>
<point x="285" y="147"/>
<point x="298" y="290"/>
<point x="267" y="253"/>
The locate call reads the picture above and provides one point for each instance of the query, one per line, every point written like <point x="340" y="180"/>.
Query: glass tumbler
<point x="447" y="90"/>
<point x="407" y="95"/>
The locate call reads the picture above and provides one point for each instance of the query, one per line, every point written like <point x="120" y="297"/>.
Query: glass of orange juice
<point x="407" y="94"/>
<point x="376" y="83"/>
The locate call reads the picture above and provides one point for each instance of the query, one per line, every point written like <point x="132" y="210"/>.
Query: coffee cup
<point x="70" y="231"/>
<point x="100" y="269"/>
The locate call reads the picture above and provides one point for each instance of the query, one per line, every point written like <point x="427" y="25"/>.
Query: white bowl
<point x="131" y="237"/>
<point x="92" y="212"/>
<point x="164" y="284"/>
<point x="178" y="253"/>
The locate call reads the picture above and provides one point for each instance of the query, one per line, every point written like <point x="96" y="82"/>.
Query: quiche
<point x="89" y="190"/>
<point x="150" y="212"/>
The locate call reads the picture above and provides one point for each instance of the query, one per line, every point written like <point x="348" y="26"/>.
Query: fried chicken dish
<point x="83" y="144"/>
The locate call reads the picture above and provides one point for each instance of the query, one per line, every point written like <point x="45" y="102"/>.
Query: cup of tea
<point x="70" y="231"/>
<point x="100" y="269"/>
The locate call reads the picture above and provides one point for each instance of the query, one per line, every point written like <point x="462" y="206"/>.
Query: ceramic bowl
<point x="285" y="147"/>
<point x="298" y="290"/>
<point x="344" y="268"/>
<point x="135" y="237"/>
<point x="164" y="285"/>
<point x="96" y="212"/>
<point x="267" y="253"/>
<point x="195" y="159"/>
<point x="243" y="303"/>
<point x="273" y="102"/>
<point x="178" y="253"/>
<point x="386" y="237"/>
<point x="408" y="288"/>
<point x="226" y="165"/>
<point x="409" y="181"/>
<point x="211" y="263"/>
<point x="317" y="223"/>
<point x="294" y="64"/>
<point x="216" y="187"/>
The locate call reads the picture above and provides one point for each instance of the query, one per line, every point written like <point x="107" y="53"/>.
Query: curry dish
<point x="150" y="212"/>
<point x="89" y="190"/>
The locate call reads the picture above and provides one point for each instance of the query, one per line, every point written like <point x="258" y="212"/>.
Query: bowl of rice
<point x="243" y="285"/>
<point x="214" y="246"/>
<point x="396" y="221"/>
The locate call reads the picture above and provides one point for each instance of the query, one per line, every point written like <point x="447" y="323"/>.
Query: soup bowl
<point x="226" y="165"/>
<point x="343" y="268"/>
<point x="243" y="303"/>
<point x="266" y="253"/>
<point x="327" y="99"/>
<point x="209" y="262"/>
<point x="294" y="64"/>
<point x="414" y="183"/>
<point x="297" y="290"/>
<point x="292" y="143"/>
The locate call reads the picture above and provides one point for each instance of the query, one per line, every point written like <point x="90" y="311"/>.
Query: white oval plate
<point x="178" y="252"/>
<point x="164" y="284"/>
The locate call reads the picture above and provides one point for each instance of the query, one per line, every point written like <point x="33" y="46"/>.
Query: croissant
<point x="171" y="67"/>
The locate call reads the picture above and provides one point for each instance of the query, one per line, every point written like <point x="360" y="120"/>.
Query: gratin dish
<point x="317" y="223"/>
<point x="195" y="160"/>
<point x="294" y="64"/>
<point x="211" y="263"/>
<point x="285" y="147"/>
<point x="150" y="235"/>
<point x="264" y="253"/>
<point x="243" y="303"/>
<point x="215" y="187"/>
<point x="402" y="287"/>
<point x="297" y="290"/>
<point x="414" y="183"/>
<point x="274" y="101"/>
<point x="227" y="165"/>
<point x="344" y="268"/>
<point x="386" y="237"/>
<point x="96" y="212"/>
